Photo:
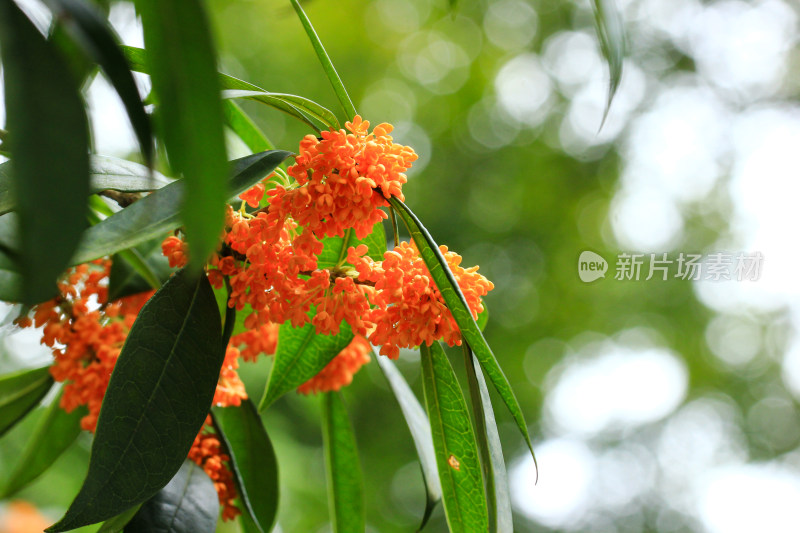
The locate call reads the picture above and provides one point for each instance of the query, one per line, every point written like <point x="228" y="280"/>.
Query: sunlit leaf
<point x="335" y="248"/>
<point x="20" y="392"/>
<point x="420" y="428"/>
<point x="327" y="65"/>
<point x="300" y="103"/>
<point x="454" y="441"/>
<point x="158" y="397"/>
<point x="494" y="467"/>
<point x="181" y="60"/>
<point x="253" y="460"/>
<point x="159" y="213"/>
<point x="187" y="504"/>
<point x="342" y="466"/>
<point x="55" y="431"/>
<point x="245" y="128"/>
<point x="93" y="33"/>
<point x="49" y="144"/>
<point x="454" y="298"/>
<point x="301" y="354"/>
<point x="611" y="33"/>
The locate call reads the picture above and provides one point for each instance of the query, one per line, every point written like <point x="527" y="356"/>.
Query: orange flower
<point x="340" y="371"/>
<point x="207" y="453"/>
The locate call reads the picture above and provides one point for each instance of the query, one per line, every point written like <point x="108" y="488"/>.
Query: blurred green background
<point x="655" y="405"/>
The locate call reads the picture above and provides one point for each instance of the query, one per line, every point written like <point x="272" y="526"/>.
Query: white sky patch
<point x="748" y="498"/>
<point x="618" y="388"/>
<point x="523" y="89"/>
<point x="566" y="475"/>
<point x="645" y="221"/>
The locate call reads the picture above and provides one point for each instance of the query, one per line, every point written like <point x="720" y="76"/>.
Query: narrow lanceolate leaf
<point x="253" y="461"/>
<point x="454" y="298"/>
<point x="90" y="29"/>
<point x="494" y="466"/>
<point x="334" y="252"/>
<point x="327" y="64"/>
<point x="158" y="213"/>
<point x="454" y="441"/>
<point x="420" y="428"/>
<point x="54" y="433"/>
<point x="294" y="106"/>
<point x="20" y="392"/>
<point x="611" y="33"/>
<point x="49" y="145"/>
<point x="301" y="354"/>
<point x="156" y="402"/>
<point x="243" y="126"/>
<point x="343" y="468"/>
<point x="137" y="270"/>
<point x="182" y="62"/>
<point x="104" y="173"/>
<point x="118" y="523"/>
<point x="187" y="504"/>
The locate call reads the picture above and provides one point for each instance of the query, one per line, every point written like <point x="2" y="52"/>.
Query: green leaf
<point x="182" y="62"/>
<point x="49" y="143"/>
<point x="253" y="460"/>
<point x="301" y="354"/>
<point x="335" y="249"/>
<point x="187" y="504"/>
<point x="157" y="214"/>
<point x="89" y="28"/>
<point x="454" y="442"/>
<point x="327" y="64"/>
<point x="138" y="269"/>
<point x="11" y="279"/>
<point x="454" y="298"/>
<point x="54" y="433"/>
<point x="494" y="466"/>
<point x="20" y="392"/>
<point x="118" y="523"/>
<point x="136" y="57"/>
<point x="245" y="128"/>
<point x="105" y="173"/>
<point x="483" y="318"/>
<point x="304" y="105"/>
<point x="611" y="33"/>
<point x="420" y="428"/>
<point x="342" y="467"/>
<point x="158" y="397"/>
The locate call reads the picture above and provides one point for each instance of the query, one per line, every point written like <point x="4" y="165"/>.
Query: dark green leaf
<point x="136" y="57"/>
<point x="158" y="213"/>
<point x="187" y="504"/>
<point x="335" y="249"/>
<point x="420" y="429"/>
<point x="49" y="143"/>
<point x="11" y="279"/>
<point x="494" y="466"/>
<point x="158" y="397"/>
<point x="327" y="64"/>
<point x="342" y="466"/>
<point x="454" y="441"/>
<point x="454" y="298"/>
<point x="253" y="460"/>
<point x="182" y="63"/>
<point x="92" y="32"/>
<point x="54" y="433"/>
<point x="126" y="277"/>
<point x="105" y="173"/>
<point x="245" y="128"/>
<point x="118" y="523"/>
<point x="301" y="354"/>
<point x="611" y="33"/>
<point x="20" y="392"/>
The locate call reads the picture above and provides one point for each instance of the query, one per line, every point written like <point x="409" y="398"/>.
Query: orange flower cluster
<point x="86" y="334"/>
<point x="344" y="179"/>
<point x="208" y="454"/>
<point x="408" y="308"/>
<point x="339" y="372"/>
